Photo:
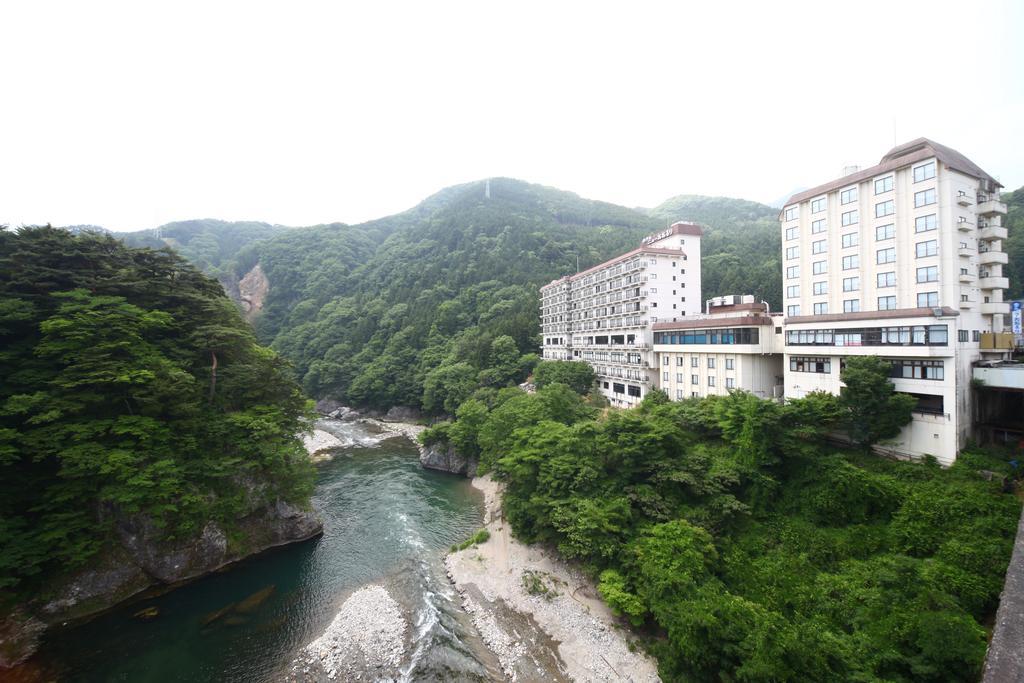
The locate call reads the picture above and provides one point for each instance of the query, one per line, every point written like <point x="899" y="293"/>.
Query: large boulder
<point x="402" y="414"/>
<point x="443" y="456"/>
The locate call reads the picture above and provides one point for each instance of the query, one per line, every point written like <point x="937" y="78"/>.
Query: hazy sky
<point x="129" y="115"/>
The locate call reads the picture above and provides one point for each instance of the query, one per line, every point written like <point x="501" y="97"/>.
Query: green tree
<point x="874" y="410"/>
<point x="576" y="375"/>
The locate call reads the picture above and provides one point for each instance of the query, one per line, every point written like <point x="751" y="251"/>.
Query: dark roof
<point x="898" y="157"/>
<point x="715" y="322"/>
<point x="945" y="311"/>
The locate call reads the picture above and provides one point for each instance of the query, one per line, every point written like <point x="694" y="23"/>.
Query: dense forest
<point x="741" y="543"/>
<point x="130" y="387"/>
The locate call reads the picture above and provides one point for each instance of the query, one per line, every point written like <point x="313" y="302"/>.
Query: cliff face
<point x="444" y="457"/>
<point x="137" y="559"/>
<point x="252" y="291"/>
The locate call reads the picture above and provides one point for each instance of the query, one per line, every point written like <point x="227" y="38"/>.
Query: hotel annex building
<point x="902" y="260"/>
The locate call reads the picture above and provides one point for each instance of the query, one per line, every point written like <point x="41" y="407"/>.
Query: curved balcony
<point x="994" y="283"/>
<point x="992" y="232"/>
<point x="995" y="308"/>
<point x="991" y="206"/>
<point x="992" y="257"/>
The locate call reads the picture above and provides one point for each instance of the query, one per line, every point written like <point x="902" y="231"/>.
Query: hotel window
<point x="851" y="239"/>
<point x="679" y="394"/>
<point x="963" y="335"/>
<point x="886" y="255"/>
<point x="818" y="247"/>
<point x="924" y="172"/>
<point x="851" y="261"/>
<point x="821" y="287"/>
<point x="679" y="363"/>
<point x="928" y="300"/>
<point x="792" y="311"/>
<point x="883" y="185"/>
<point x="851" y="217"/>
<point x="819" y="267"/>
<point x="729" y="363"/>
<point x="886" y="208"/>
<point x="928" y="274"/>
<point x="818" y="205"/>
<point x="793" y="291"/>
<point x="791" y="233"/>
<point x="679" y="377"/>
<point x="851" y="284"/>
<point x="665" y="361"/>
<point x="821" y="308"/>
<point x="694" y="362"/>
<point x="711" y="363"/>
<point x="818" y="365"/>
<point x="792" y="252"/>
<point x="925" y="223"/>
<point x="929" y="248"/>
<point x="924" y="198"/>
<point x="851" y="305"/>
<point x="887" y="303"/>
<point x="885" y="232"/>
<point x="792" y="272"/>
<point x="918" y="369"/>
<point x="847" y="196"/>
<point x="817" y="226"/>
<point x="711" y="381"/>
<point x="792" y="213"/>
<point x="664" y="376"/>
<point x="730" y="383"/>
<point x="886" y="279"/>
<point x="694" y="379"/>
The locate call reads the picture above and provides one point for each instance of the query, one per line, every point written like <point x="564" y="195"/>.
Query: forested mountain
<point x="441" y="296"/>
<point x="211" y="245"/>
<point x="1014" y="244"/>
<point x="132" y="397"/>
<point x="741" y="246"/>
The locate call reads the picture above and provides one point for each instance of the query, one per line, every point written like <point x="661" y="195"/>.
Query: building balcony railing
<point x="967" y="277"/>
<point x="992" y="256"/>
<point x="988" y="207"/>
<point x="965" y="252"/>
<point x="994" y="282"/>
<point x="967" y="304"/>
<point x="996" y="341"/>
<point x="992" y="232"/>
<point x="964" y="226"/>
<point x="995" y="307"/>
<point x="963" y="199"/>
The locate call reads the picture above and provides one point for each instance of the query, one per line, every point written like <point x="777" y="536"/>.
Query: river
<point x="387" y="521"/>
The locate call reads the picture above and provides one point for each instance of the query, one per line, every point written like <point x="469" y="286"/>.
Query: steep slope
<point x="366" y="313"/>
<point x="1014" y="244"/>
<point x="741" y="246"/>
<point x="218" y="248"/>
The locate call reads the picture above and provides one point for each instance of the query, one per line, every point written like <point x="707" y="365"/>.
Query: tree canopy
<point x="129" y="385"/>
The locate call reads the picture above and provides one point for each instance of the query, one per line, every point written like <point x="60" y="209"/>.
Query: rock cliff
<point x="444" y="457"/>
<point x="136" y="559"/>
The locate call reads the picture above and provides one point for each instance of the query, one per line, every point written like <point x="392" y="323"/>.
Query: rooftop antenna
<point x="487" y="189"/>
<point x="577" y="263"/>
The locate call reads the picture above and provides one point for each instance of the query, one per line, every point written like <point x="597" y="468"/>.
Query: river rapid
<point x="387" y="522"/>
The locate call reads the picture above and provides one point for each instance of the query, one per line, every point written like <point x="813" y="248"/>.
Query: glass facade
<point x="728" y="335"/>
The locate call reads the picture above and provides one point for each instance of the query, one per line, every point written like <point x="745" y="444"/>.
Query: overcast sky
<point x="129" y="115"/>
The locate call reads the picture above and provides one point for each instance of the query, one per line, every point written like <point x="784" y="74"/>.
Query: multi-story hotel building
<point x="605" y="314"/>
<point x="737" y="344"/>
<point x="902" y="260"/>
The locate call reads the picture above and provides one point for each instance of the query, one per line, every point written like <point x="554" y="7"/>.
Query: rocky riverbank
<point x="137" y="559"/>
<point x="366" y="641"/>
<point x="537" y="613"/>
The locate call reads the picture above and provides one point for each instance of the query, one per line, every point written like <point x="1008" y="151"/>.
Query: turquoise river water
<point x="386" y="521"/>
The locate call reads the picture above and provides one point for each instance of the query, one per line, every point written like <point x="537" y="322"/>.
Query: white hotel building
<point x="605" y="314"/>
<point x="902" y="260"/>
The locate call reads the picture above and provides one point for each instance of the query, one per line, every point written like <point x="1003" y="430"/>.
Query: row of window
<point x="882" y="256"/>
<point x="730" y="383"/>
<point x="901" y="369"/>
<point x="912" y="335"/>
<point x="885" y="303"/>
<point x="882" y="232"/>
<point x="882" y="281"/>
<point x="734" y="335"/>
<point x="695" y="362"/>
<point x="882" y="185"/>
